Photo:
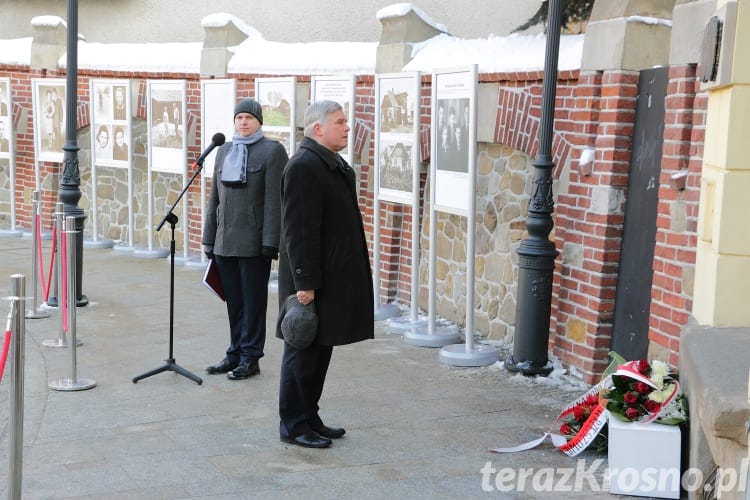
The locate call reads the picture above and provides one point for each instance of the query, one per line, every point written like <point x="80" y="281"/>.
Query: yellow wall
<point x="722" y="282"/>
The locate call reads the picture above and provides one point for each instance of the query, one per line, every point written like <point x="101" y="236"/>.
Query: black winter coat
<point x="323" y="245"/>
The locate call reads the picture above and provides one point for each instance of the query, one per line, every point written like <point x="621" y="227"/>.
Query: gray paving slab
<point x="415" y="428"/>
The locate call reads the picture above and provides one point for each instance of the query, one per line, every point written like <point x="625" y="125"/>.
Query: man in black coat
<point x="323" y="257"/>
<point x="241" y="233"/>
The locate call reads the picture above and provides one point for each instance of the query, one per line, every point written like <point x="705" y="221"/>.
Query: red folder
<point x="212" y="280"/>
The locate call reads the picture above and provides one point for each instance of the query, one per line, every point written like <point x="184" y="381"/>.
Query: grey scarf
<point x="233" y="168"/>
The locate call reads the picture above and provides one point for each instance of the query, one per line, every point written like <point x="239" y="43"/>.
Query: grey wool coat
<point x="241" y="220"/>
<point x="323" y="245"/>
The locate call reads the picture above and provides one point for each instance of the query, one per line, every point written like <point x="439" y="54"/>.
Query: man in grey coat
<point x="241" y="233"/>
<point x="323" y="258"/>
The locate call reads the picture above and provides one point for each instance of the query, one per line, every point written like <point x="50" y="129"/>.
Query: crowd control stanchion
<point x="34" y="312"/>
<point x="73" y="383"/>
<point x="59" y="214"/>
<point x="62" y="339"/>
<point x="17" y="327"/>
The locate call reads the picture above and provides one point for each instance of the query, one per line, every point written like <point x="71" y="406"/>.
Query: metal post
<point x="387" y="310"/>
<point x="60" y="282"/>
<point x="95" y="241"/>
<point x="73" y="383"/>
<point x="70" y="191"/>
<point x="403" y="324"/>
<point x="537" y="253"/>
<point x="17" y="327"/>
<point x="34" y="312"/>
<point x="427" y="333"/>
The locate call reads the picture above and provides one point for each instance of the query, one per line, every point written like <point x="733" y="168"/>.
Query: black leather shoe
<point x="244" y="370"/>
<point x="329" y="432"/>
<point x="308" y="439"/>
<point x="222" y="367"/>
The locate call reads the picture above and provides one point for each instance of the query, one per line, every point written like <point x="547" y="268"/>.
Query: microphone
<point x="217" y="140"/>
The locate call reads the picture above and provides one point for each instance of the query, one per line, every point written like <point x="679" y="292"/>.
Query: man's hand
<point x="305" y="296"/>
<point x="270" y="253"/>
<point x="209" y="251"/>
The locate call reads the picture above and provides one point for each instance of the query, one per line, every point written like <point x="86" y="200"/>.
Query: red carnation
<point x="565" y="430"/>
<point x="644" y="367"/>
<point x="631" y="398"/>
<point x="643" y="388"/>
<point x="632" y="413"/>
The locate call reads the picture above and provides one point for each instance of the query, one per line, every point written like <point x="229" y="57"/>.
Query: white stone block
<point x="644" y="459"/>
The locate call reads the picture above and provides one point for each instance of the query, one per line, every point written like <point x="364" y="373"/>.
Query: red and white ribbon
<point x="596" y="419"/>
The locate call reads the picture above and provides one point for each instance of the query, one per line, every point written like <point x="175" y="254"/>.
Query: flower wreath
<point x="631" y="391"/>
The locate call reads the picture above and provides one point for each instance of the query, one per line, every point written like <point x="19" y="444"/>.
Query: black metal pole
<point x="70" y="191"/>
<point x="537" y="253"/>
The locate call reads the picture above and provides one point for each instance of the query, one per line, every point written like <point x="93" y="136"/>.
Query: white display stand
<point x="397" y="98"/>
<point x="453" y="190"/>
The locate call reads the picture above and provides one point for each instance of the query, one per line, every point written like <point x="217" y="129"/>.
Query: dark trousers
<point x="303" y="373"/>
<point x="245" y="284"/>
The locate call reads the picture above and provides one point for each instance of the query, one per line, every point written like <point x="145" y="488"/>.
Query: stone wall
<point x="504" y="178"/>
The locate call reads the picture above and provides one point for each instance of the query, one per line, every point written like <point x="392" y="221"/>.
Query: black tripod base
<point x="172" y="367"/>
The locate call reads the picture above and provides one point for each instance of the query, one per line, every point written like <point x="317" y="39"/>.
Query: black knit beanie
<point x="249" y="106"/>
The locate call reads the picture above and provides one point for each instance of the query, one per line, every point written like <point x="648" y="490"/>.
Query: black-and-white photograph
<point x="110" y="118"/>
<point x="166" y="125"/>
<point x="102" y="100"/>
<point x="396" y="166"/>
<point x="397" y="107"/>
<point x="452" y="135"/>
<point x="49" y="97"/>
<point x="119" y="103"/>
<point x="119" y="146"/>
<point x="103" y="143"/>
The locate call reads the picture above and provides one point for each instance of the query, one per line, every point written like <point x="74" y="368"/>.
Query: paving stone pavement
<point x="415" y="428"/>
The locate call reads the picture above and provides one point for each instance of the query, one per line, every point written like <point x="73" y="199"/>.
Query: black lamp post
<point x="70" y="192"/>
<point x="537" y="253"/>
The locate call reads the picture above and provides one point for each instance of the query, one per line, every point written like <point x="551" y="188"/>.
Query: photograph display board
<point x="49" y="118"/>
<point x="217" y="115"/>
<point x="453" y="138"/>
<point x="396" y="137"/>
<point x="6" y="119"/>
<point x="341" y="90"/>
<point x="278" y="98"/>
<point x="166" y="126"/>
<point x="110" y="119"/>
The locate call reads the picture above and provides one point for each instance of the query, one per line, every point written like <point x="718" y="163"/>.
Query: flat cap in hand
<point x="299" y="323"/>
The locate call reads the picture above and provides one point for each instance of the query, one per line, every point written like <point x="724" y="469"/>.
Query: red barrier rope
<point x="62" y="296"/>
<point x="45" y="283"/>
<point x="4" y="353"/>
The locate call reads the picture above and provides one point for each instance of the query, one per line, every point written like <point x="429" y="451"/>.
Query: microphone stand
<point x="170" y="364"/>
